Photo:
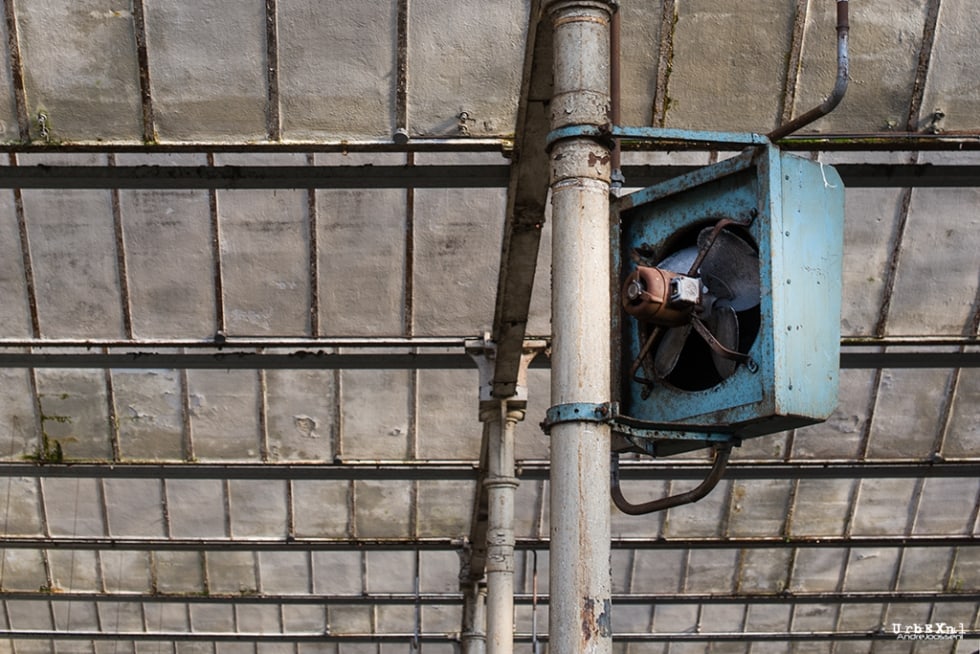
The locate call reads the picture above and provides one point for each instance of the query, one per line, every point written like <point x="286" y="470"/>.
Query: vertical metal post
<point x="474" y="636"/>
<point x="580" y="583"/>
<point x="501" y="484"/>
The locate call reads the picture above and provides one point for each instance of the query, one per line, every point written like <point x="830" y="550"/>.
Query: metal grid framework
<point x="230" y="469"/>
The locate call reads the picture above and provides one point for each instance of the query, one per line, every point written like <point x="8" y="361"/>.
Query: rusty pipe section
<point x="722" y="453"/>
<point x="579" y="570"/>
<point x="473" y="639"/>
<point x="501" y="484"/>
<point x="840" y="86"/>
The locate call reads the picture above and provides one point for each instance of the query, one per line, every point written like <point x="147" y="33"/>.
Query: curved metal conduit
<point x="722" y="453"/>
<point x="840" y="86"/>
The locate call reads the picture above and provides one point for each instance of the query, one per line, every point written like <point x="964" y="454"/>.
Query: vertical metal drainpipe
<point x="474" y="637"/>
<point x="501" y="484"/>
<point x="579" y="614"/>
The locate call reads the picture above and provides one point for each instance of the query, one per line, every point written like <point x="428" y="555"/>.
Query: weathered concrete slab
<point x="149" y="415"/>
<point x="883" y="507"/>
<point x="937" y="277"/>
<point x="337" y="69"/>
<point x="80" y="69"/>
<point x="207" y="66"/>
<point x="74" y="414"/>
<point x="952" y="85"/>
<point x="908" y="412"/>
<point x="963" y="436"/>
<point x="361" y="237"/>
<point x="169" y="256"/>
<point x="465" y="58"/>
<point x="300" y="414"/>
<point x="224" y="414"/>
<point x="884" y="51"/>
<point x="15" y="320"/>
<point x="133" y="508"/>
<point x="265" y="256"/>
<point x="728" y="66"/>
<point x="75" y="271"/>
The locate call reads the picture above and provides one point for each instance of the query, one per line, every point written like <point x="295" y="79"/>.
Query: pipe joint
<point x="500" y="482"/>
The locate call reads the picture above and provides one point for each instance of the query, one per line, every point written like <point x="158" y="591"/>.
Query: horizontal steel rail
<point x="854" y="175"/>
<point x="408" y="638"/>
<point x="468" y="470"/>
<point x="452" y="599"/>
<point x="395" y="354"/>
<point x="890" y="141"/>
<point x="443" y="544"/>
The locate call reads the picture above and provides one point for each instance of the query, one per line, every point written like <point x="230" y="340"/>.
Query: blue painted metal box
<point x="796" y="209"/>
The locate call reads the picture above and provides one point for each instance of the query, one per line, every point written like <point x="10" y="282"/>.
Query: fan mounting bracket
<point x="641" y="433"/>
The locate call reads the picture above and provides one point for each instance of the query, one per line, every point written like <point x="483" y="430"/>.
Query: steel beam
<point x="875" y="633"/>
<point x="468" y="470"/>
<point x="456" y="544"/>
<point x="522" y="230"/>
<point x="403" y="353"/>
<point x="523" y="599"/>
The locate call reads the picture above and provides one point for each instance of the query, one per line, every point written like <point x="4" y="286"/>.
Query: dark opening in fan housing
<point x="696" y="339"/>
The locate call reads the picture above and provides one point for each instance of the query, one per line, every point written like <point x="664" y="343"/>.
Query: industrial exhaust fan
<point x="728" y="318"/>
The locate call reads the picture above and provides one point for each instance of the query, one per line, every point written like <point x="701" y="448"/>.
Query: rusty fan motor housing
<point x="647" y="297"/>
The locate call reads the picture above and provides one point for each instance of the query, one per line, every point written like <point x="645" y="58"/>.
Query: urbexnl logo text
<point x="931" y="631"/>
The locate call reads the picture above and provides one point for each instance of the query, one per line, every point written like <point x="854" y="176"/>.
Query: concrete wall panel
<point x="265" y="263"/>
<point x="80" y="69"/>
<point x="208" y="69"/>
<point x="465" y="57"/>
<point x="75" y="271"/>
<point x="963" y="434"/>
<point x="337" y="69"/>
<point x="937" y="282"/>
<point x="300" y="414"/>
<point x="448" y="427"/>
<point x="321" y="509"/>
<point x="884" y="51"/>
<point x="953" y="85"/>
<point x="74" y="413"/>
<point x="361" y="239"/>
<point x="458" y="236"/>
<point x="374" y="406"/>
<point x="15" y="320"/>
<point x="169" y="256"/>
<point x="149" y="415"/>
<point x="224" y="414"/>
<point x="728" y="66"/>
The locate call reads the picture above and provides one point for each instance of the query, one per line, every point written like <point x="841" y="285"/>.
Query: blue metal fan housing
<point x="788" y="214"/>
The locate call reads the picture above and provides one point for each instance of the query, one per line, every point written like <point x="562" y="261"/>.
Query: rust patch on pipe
<point x="592" y="624"/>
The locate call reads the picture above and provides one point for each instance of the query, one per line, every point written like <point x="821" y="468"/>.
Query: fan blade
<point x="723" y="324"/>
<point x="735" y="264"/>
<point x="680" y="261"/>
<point x="669" y="350"/>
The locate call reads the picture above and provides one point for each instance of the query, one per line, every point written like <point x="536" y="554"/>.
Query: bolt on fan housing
<point x="729" y="309"/>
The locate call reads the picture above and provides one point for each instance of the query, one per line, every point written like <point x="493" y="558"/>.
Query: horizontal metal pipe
<point x="443" y="544"/>
<point x="344" y="146"/>
<point x="354" y="342"/>
<point x="453" y="599"/>
<point x="879" y="633"/>
<point x="828" y="142"/>
<point x="854" y="175"/>
<point x="468" y="470"/>
<point x="927" y="356"/>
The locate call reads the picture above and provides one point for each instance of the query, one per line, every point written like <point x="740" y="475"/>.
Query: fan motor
<point x="661" y="297"/>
